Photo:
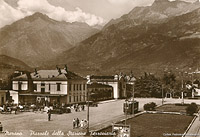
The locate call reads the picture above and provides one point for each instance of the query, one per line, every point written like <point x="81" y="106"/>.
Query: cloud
<point x="119" y="1"/>
<point x="58" y="13"/>
<point x="8" y="14"/>
<point x="28" y="7"/>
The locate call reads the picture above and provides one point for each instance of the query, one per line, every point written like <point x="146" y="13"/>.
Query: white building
<point x="50" y="86"/>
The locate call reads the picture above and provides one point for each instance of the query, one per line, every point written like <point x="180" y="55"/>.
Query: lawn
<point x="173" y="108"/>
<point x="156" y="125"/>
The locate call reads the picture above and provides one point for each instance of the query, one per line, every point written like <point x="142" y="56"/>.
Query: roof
<point x="102" y="77"/>
<point x="50" y="75"/>
<point x="98" y="85"/>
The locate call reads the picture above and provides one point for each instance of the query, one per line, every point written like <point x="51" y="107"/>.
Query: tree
<point x="148" y="86"/>
<point x="192" y="108"/>
<point x="169" y="81"/>
<point x="150" y="106"/>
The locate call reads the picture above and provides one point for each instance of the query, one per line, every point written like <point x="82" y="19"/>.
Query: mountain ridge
<point x="122" y="47"/>
<point x="37" y="38"/>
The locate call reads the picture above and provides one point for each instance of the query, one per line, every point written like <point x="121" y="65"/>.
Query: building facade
<point x="2" y="97"/>
<point x="98" y="91"/>
<point x="117" y="82"/>
<point x="50" y="86"/>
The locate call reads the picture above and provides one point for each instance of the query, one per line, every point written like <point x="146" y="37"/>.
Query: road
<point x="100" y="116"/>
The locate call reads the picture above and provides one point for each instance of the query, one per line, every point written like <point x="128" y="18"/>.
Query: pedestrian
<point x="74" y="123"/>
<point x="199" y="115"/>
<point x="49" y="115"/>
<point x="77" y="122"/>
<point x="82" y="124"/>
<point x="83" y="107"/>
<point x="85" y="123"/>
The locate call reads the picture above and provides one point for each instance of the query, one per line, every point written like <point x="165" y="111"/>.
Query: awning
<point x="44" y="95"/>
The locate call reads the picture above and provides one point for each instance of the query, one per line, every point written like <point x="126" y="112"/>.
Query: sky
<point x="92" y="12"/>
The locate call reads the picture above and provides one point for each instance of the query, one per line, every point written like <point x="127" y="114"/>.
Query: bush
<point x="150" y="106"/>
<point x="191" y="109"/>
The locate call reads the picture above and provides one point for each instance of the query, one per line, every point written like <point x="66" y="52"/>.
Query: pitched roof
<point x="50" y="75"/>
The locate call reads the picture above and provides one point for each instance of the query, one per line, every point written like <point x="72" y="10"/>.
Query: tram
<point x="129" y="107"/>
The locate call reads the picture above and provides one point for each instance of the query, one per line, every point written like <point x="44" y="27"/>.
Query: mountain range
<point x="37" y="38"/>
<point x="152" y="38"/>
<point x="8" y="65"/>
<point x="163" y="35"/>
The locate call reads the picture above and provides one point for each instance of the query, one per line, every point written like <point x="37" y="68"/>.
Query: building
<point x="49" y="87"/>
<point x="2" y="97"/>
<point x="117" y="82"/>
<point x="98" y="91"/>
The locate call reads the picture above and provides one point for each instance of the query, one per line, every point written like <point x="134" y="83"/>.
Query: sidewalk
<point x="194" y="130"/>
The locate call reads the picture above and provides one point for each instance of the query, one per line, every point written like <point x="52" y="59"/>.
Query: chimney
<point x="59" y="71"/>
<point x="66" y="69"/>
<point x="35" y="72"/>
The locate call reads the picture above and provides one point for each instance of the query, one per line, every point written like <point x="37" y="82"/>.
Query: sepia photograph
<point x="99" y="68"/>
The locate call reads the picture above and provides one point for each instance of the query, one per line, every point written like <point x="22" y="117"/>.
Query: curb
<point x="140" y="113"/>
<point x="189" y="126"/>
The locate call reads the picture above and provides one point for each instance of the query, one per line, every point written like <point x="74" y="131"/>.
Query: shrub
<point x="191" y="109"/>
<point x="150" y="106"/>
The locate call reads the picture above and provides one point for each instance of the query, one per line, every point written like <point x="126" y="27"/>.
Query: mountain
<point x="37" y="38"/>
<point x="158" y="12"/>
<point x="145" y="46"/>
<point x="8" y="65"/>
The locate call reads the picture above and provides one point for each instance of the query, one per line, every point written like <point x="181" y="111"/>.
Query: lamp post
<point x="133" y="101"/>
<point x="162" y="95"/>
<point x="88" y="104"/>
<point x="126" y="107"/>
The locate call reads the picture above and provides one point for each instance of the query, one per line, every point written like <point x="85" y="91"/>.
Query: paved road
<point x="100" y="116"/>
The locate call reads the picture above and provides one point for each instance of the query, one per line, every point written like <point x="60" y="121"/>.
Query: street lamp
<point x="88" y="104"/>
<point x="126" y="107"/>
<point x="162" y="94"/>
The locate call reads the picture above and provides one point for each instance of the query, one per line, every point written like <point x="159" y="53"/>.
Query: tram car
<point x="128" y="107"/>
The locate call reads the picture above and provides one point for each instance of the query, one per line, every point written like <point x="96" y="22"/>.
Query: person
<point x="49" y="115"/>
<point x="82" y="124"/>
<point x="199" y="115"/>
<point x="77" y="122"/>
<point x="83" y="107"/>
<point x="74" y="123"/>
<point x="85" y="123"/>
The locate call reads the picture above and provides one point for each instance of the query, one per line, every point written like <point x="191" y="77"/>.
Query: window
<point x="35" y="87"/>
<point x="83" y="86"/>
<point x="42" y="87"/>
<point x="74" y="99"/>
<point x="80" y="97"/>
<point x="49" y="87"/>
<point x="77" y="87"/>
<point x="69" y="98"/>
<point x="20" y="85"/>
<point x="80" y="87"/>
<point x="70" y="88"/>
<point x="74" y="87"/>
<point x="58" y="86"/>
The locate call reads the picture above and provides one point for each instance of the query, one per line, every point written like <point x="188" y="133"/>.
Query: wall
<point x="24" y="85"/>
<point x="76" y="94"/>
<point x="15" y="96"/>
<point x="115" y="88"/>
<point x="53" y="87"/>
<point x="2" y="94"/>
